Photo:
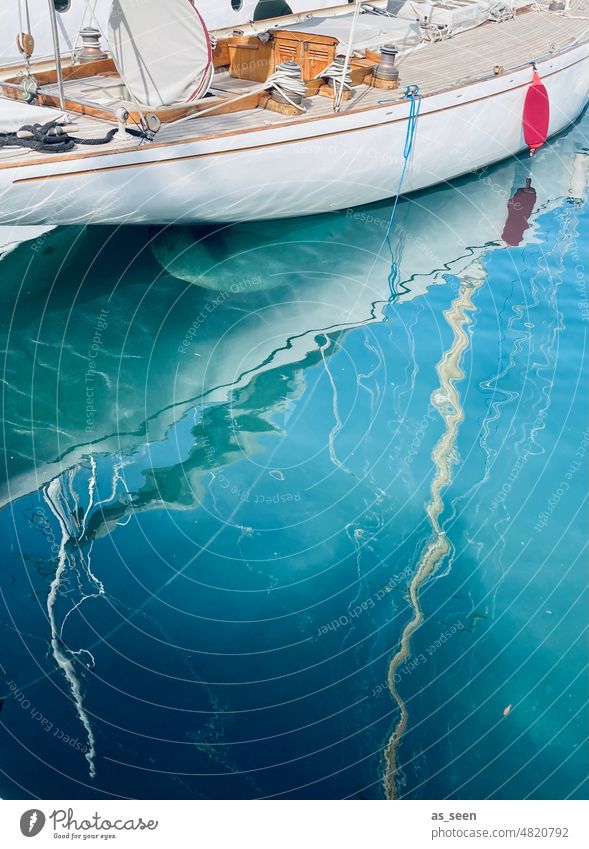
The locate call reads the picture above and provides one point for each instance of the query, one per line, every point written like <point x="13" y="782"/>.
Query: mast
<point x="57" y="54"/>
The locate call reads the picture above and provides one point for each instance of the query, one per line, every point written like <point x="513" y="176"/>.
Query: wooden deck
<point x="465" y="57"/>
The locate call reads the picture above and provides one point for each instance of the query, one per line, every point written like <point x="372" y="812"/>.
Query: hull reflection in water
<point x="244" y="457"/>
<point x="136" y="356"/>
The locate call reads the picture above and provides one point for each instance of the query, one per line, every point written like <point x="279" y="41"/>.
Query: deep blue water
<point x="219" y="449"/>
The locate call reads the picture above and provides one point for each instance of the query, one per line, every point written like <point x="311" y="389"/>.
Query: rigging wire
<point x="337" y="104"/>
<point x="415" y="98"/>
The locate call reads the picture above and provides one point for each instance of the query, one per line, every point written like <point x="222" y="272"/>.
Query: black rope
<point x="52" y="138"/>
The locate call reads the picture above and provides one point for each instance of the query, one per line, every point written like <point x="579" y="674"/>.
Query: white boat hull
<point x="298" y="168"/>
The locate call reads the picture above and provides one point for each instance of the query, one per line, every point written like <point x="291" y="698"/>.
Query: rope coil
<point x="53" y="137"/>
<point x="288" y="82"/>
<point x="338" y="75"/>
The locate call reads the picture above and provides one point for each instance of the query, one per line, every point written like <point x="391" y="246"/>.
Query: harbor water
<point x="244" y="467"/>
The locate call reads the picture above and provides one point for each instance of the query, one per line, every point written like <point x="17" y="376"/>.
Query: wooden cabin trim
<point x="73" y="71"/>
<point x="53" y="102"/>
<point x="251" y="59"/>
<point x="225" y="105"/>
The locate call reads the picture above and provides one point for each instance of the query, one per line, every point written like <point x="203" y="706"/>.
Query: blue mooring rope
<point x="412" y="93"/>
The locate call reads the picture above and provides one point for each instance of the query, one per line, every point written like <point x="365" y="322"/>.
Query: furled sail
<point x="161" y="50"/>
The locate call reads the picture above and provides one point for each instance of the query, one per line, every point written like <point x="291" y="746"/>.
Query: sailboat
<point x="163" y="120"/>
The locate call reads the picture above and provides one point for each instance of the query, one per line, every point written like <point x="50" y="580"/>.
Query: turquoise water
<point x="228" y="455"/>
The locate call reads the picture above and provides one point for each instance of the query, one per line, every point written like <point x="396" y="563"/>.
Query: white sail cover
<point x="14" y="115"/>
<point x="454" y="15"/>
<point x="162" y="50"/>
<point x="217" y="14"/>
<point x="372" y="32"/>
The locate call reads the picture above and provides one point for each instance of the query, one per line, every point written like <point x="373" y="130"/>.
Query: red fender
<point x="536" y="114"/>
